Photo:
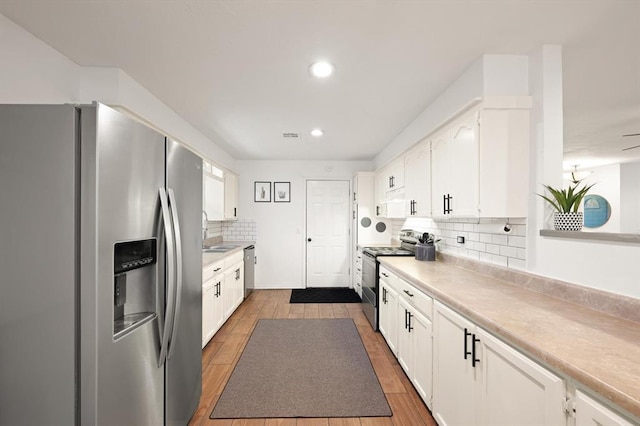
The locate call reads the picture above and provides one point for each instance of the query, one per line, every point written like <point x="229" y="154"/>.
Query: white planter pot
<point x="568" y="221"/>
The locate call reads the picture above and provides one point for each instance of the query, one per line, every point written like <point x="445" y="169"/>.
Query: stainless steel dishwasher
<point x="249" y="269"/>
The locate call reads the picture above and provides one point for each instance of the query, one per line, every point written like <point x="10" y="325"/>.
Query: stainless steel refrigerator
<point x="101" y="270"/>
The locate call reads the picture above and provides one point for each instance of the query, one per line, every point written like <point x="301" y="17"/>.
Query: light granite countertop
<point x="599" y="350"/>
<point x="208" y="258"/>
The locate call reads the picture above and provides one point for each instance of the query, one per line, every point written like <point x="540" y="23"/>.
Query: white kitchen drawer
<point x="415" y="297"/>
<point x="212" y="269"/>
<point x="234" y="258"/>
<point x="388" y="277"/>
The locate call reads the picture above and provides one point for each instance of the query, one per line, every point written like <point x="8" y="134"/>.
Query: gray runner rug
<point x="303" y="368"/>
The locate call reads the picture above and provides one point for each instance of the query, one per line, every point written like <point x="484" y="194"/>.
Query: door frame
<point x="350" y="228"/>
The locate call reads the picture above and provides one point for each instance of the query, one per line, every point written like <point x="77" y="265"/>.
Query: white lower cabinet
<point x="387" y="315"/>
<point x="222" y="293"/>
<point x="218" y="304"/>
<point x="480" y="380"/>
<point x="406" y="326"/>
<point x="415" y="348"/>
<point x="234" y="283"/>
<point x="589" y="412"/>
<point x="209" y="290"/>
<point x="454" y="394"/>
<point x="514" y="389"/>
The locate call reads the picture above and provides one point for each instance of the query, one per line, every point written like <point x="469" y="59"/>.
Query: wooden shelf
<point x="595" y="236"/>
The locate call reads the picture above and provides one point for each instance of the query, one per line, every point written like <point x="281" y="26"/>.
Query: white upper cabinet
<point x="220" y="193"/>
<point x="480" y="162"/>
<point x="395" y="175"/>
<point x="230" y="196"/>
<point x="390" y="197"/>
<point x="417" y="180"/>
<point x="455" y="170"/>
<point x="213" y="192"/>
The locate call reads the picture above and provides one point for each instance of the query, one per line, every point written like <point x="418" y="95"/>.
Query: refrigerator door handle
<point x="169" y="243"/>
<point x="178" y="260"/>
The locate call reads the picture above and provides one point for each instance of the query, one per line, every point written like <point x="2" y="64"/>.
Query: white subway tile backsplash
<point x="517" y="264"/>
<point x="499" y="260"/>
<point x="493" y="249"/>
<point x="508" y="251"/>
<point x="240" y="230"/>
<point x="485" y="240"/>
<point x="516" y="241"/>
<point x="480" y="246"/>
<point x="520" y="230"/>
<point x="499" y="239"/>
<point x="485" y="257"/>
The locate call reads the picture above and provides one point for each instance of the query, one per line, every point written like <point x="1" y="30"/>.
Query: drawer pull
<point x="384" y="274"/>
<point x="217" y="269"/>
<point x="474" y="360"/>
<point x="409" y="294"/>
<point x="466" y="335"/>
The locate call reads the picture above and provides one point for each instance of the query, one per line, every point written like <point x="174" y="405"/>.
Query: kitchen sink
<point x="218" y="249"/>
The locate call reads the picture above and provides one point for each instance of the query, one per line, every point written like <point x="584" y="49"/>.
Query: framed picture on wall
<point x="281" y="192"/>
<point x="262" y="192"/>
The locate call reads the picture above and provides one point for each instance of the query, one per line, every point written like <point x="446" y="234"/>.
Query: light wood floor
<point x="223" y="351"/>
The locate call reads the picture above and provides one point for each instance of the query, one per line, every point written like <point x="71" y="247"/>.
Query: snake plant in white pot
<point x="566" y="202"/>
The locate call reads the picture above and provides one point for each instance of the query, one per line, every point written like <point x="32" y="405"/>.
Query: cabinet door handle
<point x="409" y="294"/>
<point x="444" y="204"/>
<point x="474" y="360"/>
<point x="466" y="335"/>
<point x="410" y="327"/>
<point x="406" y="319"/>
<point x="235" y="211"/>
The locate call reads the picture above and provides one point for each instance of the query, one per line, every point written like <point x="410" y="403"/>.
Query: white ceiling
<point x="238" y="70"/>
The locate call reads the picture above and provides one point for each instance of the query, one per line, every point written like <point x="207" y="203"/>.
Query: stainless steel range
<point x="371" y="271"/>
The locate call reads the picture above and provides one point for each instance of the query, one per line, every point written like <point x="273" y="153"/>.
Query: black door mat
<point x="324" y="295"/>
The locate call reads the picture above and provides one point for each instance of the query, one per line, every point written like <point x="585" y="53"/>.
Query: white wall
<point x="33" y="72"/>
<point x="280" y="227"/>
<point x="607" y="185"/>
<point x="490" y="75"/>
<point x="630" y="198"/>
<point x="612" y="267"/>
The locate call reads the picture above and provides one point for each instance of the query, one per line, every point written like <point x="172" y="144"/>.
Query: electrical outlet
<point x="461" y="240"/>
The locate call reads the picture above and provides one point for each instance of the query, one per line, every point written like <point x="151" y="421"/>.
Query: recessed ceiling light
<point x="322" y="69"/>
<point x="317" y="132"/>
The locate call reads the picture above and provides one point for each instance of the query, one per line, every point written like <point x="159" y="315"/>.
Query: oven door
<point x="370" y="289"/>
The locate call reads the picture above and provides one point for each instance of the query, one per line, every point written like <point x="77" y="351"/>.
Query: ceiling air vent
<point x="631" y="147"/>
<point x="292" y="136"/>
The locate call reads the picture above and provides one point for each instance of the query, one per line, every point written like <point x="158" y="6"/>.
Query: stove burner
<point x="389" y="251"/>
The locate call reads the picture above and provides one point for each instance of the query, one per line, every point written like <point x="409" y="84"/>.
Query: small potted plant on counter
<point x="566" y="202"/>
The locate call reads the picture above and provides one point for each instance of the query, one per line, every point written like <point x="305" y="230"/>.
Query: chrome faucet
<point x="204" y="227"/>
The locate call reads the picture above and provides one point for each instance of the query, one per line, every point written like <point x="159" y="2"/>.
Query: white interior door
<point x="328" y="233"/>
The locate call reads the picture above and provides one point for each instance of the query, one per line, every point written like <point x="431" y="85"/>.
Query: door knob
<point x="309" y="239"/>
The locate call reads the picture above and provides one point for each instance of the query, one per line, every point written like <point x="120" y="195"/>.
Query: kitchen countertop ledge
<point x="209" y="258"/>
<point x="599" y="350"/>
